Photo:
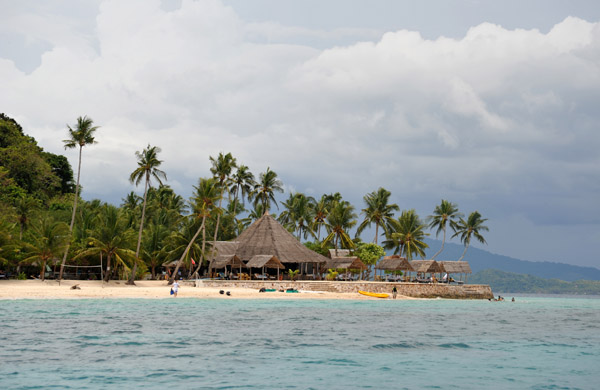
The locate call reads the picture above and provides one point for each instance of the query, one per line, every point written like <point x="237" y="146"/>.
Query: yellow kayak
<point x="376" y="295"/>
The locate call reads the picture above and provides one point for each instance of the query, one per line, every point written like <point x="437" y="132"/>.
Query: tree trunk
<point x="376" y="233"/>
<point x="43" y="273"/>
<point x="108" y="270"/>
<point x="442" y="248"/>
<point x="64" y="260"/>
<point x="131" y="280"/>
<point x="464" y="252"/>
<point x="187" y="249"/>
<point x="203" y="245"/>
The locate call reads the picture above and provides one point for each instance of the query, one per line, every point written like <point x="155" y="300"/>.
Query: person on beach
<point x="175" y="288"/>
<point x="394" y="292"/>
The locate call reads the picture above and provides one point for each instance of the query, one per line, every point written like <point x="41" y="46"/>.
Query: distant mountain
<point x="509" y="282"/>
<point x="482" y="260"/>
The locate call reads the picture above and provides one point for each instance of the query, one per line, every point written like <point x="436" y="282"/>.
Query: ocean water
<point x="533" y="343"/>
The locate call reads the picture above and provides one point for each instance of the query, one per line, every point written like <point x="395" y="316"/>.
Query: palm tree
<point x="82" y="135"/>
<point x="153" y="245"/>
<point x="444" y="214"/>
<point x="207" y="193"/>
<point x="148" y="164"/>
<point x="469" y="228"/>
<point x="320" y="211"/>
<point x="340" y="219"/>
<point x="48" y="239"/>
<point x="113" y="238"/>
<point x="298" y="214"/>
<point x="378" y="211"/>
<point x="242" y="181"/>
<point x="221" y="170"/>
<point x="264" y="190"/>
<point x="24" y="207"/>
<point x="407" y="235"/>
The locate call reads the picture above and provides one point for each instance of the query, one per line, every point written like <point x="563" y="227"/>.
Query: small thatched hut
<point x="352" y="262"/>
<point x="222" y="261"/>
<point x="427" y="266"/>
<point x="457" y="267"/>
<point x="394" y="263"/>
<point x="265" y="261"/>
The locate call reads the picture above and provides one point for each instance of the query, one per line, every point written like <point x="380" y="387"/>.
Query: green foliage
<point x="318" y="247"/>
<point x="293" y="274"/>
<point x="331" y="274"/>
<point x="508" y="282"/>
<point x="369" y="253"/>
<point x="21" y="276"/>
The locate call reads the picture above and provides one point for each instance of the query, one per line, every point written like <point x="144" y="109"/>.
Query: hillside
<point x="509" y="282"/>
<point x="482" y="260"/>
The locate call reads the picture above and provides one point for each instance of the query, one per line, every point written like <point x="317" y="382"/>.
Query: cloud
<point x="504" y="121"/>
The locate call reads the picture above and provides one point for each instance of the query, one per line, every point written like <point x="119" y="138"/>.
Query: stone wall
<point x="415" y="290"/>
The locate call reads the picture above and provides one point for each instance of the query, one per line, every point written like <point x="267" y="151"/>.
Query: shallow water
<point x="536" y="343"/>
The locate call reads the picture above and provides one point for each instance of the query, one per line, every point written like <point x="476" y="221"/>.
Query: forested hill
<point x="482" y="260"/>
<point x="508" y="282"/>
<point x="26" y="170"/>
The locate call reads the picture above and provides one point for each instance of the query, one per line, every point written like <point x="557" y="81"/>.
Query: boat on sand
<point x="372" y="294"/>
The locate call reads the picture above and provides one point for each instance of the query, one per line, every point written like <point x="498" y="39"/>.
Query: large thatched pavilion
<point x="266" y="236"/>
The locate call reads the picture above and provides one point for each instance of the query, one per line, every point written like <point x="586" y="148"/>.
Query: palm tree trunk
<point x="464" y="252"/>
<point x="376" y="233"/>
<point x="43" y="273"/>
<point x="187" y="249"/>
<point x="131" y="280"/>
<point x="108" y="270"/>
<point x="201" y="261"/>
<point x="64" y="260"/>
<point x="442" y="248"/>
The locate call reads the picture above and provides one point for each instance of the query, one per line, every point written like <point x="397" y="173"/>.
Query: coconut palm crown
<point x="470" y="228"/>
<point x="444" y="214"/>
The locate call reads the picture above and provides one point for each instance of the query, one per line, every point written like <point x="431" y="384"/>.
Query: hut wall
<point x="413" y="290"/>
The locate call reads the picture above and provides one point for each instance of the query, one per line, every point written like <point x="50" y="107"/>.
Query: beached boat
<point x="372" y="294"/>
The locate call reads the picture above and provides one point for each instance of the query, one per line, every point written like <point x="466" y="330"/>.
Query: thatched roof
<point x="345" y="263"/>
<point x="427" y="266"/>
<point x="267" y="237"/>
<point x="340" y="253"/>
<point x="224" y="260"/>
<point x="223" y="248"/>
<point x="456" y="267"/>
<point x="268" y="261"/>
<point x="394" y="263"/>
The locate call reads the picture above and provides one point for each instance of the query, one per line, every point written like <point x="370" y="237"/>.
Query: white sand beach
<point x="151" y="289"/>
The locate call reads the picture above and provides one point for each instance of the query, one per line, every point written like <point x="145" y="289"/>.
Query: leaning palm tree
<point x="207" y="193"/>
<point x="444" y="214"/>
<point x="264" y="190"/>
<point x="469" y="228"/>
<point x="47" y="239"/>
<point x="148" y="164"/>
<point x="407" y="235"/>
<point x="341" y="219"/>
<point x="82" y="135"/>
<point x="378" y="211"/>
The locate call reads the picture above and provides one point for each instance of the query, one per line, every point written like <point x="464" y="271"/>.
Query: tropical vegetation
<point x="45" y="223"/>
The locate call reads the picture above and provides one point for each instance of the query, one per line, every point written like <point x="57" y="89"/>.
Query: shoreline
<point x="151" y="289"/>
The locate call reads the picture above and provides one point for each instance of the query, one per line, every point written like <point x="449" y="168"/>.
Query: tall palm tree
<point x="242" y="182"/>
<point x="203" y="203"/>
<point x="444" y="214"/>
<point x="113" y="238"/>
<point x="81" y="135"/>
<point x="378" y="211"/>
<point x="265" y="188"/>
<point x="221" y="170"/>
<point x="153" y="245"/>
<point x="407" y="236"/>
<point x="46" y="241"/>
<point x="148" y="164"/>
<point x="470" y="228"/>
<point x="320" y="211"/>
<point x="341" y="218"/>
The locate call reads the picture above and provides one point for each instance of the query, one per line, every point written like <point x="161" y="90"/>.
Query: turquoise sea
<point x="533" y="343"/>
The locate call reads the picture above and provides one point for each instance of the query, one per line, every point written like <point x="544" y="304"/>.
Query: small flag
<point x="193" y="262"/>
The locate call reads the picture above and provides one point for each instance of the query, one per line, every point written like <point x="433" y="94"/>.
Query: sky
<point x="490" y="105"/>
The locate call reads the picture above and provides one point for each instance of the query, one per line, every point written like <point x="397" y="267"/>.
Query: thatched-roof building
<point x="394" y="263"/>
<point x="339" y="253"/>
<point x="456" y="267"/>
<point x="266" y="261"/>
<point x="266" y="236"/>
<point x="345" y="263"/>
<point x="223" y="261"/>
<point x="427" y="266"/>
